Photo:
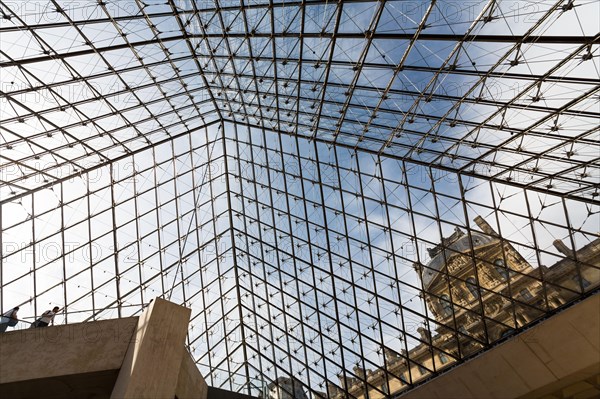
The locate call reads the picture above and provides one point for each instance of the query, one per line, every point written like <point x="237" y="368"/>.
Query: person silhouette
<point x="9" y="319"/>
<point x="46" y="318"/>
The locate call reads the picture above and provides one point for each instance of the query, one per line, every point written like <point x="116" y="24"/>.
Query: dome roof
<point x="460" y="245"/>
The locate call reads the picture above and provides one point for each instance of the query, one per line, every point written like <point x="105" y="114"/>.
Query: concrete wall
<point x="64" y="350"/>
<point x="127" y="358"/>
<point x="549" y="356"/>
<point x="97" y="385"/>
<point x="152" y="364"/>
<point x="190" y="383"/>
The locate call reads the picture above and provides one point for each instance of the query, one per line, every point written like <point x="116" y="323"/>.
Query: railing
<point x="21" y="325"/>
<point x="79" y="316"/>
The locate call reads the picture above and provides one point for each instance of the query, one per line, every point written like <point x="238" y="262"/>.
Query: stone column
<point x="152" y="363"/>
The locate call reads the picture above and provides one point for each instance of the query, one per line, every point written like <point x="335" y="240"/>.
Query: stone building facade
<point x="470" y="275"/>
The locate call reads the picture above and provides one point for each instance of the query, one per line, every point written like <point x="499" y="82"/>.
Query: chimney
<point x="563" y="249"/>
<point x="484" y="226"/>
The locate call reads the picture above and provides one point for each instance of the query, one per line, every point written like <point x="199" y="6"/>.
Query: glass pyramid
<point x="312" y="178"/>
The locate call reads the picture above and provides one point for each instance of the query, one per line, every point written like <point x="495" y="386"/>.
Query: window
<point x="507" y="332"/>
<point x="443" y="358"/>
<point x="585" y="283"/>
<point x="403" y="380"/>
<point x="501" y="268"/>
<point x="422" y="370"/>
<point x="525" y="294"/>
<point x="384" y="388"/>
<point x="446" y="305"/>
<point x="472" y="286"/>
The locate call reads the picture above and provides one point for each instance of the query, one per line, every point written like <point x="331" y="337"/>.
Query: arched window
<point x="506" y="333"/>
<point x="472" y="286"/>
<point x="585" y="283"/>
<point x="525" y="294"/>
<point x="446" y="305"/>
<point x="385" y="389"/>
<point x="403" y="379"/>
<point x="501" y="268"/>
<point x="443" y="358"/>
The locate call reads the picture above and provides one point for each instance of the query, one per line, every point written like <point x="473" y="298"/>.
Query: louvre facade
<point x="499" y="268"/>
<point x="354" y="196"/>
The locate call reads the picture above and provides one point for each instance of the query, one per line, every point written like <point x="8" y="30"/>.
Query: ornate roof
<point x="457" y="243"/>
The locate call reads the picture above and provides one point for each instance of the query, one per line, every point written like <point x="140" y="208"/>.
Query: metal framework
<point x="280" y="167"/>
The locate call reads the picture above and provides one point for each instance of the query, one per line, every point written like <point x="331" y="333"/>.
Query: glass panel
<point x="348" y="195"/>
